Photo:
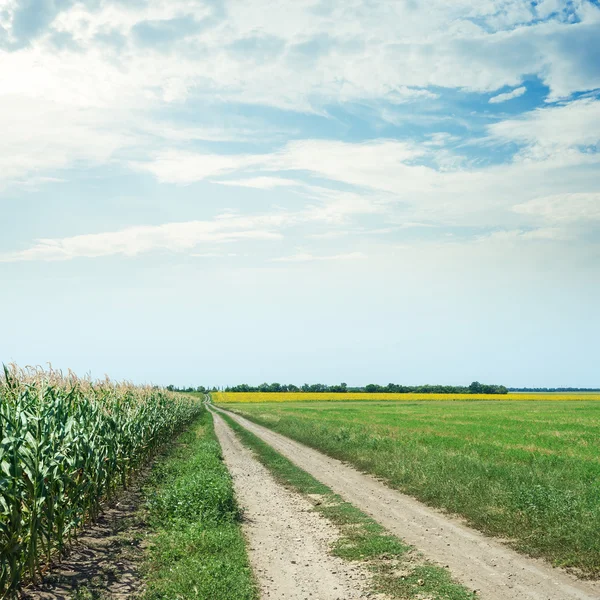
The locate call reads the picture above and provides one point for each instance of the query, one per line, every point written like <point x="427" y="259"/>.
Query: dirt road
<point x="479" y="562"/>
<point x="288" y="542"/>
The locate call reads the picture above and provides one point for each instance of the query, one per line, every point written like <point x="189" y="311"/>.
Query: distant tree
<point x="373" y="388"/>
<point x="475" y="388"/>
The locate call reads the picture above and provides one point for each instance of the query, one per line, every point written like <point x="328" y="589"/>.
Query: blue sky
<point x="211" y="192"/>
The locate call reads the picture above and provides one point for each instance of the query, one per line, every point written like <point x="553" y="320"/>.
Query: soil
<point x="103" y="562"/>
<point x="288" y="543"/>
<point x="483" y="564"/>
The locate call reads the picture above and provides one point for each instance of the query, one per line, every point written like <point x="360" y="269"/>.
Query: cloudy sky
<point x="218" y="191"/>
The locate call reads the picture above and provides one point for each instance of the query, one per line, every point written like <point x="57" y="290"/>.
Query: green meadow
<point x="528" y="472"/>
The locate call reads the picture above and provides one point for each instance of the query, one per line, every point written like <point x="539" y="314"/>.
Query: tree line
<point x="200" y="388"/>
<point x="553" y="389"/>
<point x="372" y="388"/>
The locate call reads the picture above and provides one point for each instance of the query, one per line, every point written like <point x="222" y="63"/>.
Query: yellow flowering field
<point x="246" y="397"/>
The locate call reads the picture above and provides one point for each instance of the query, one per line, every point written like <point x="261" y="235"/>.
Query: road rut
<point x="479" y="562"/>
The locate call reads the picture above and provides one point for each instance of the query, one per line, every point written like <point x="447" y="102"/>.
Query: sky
<point x="211" y="192"/>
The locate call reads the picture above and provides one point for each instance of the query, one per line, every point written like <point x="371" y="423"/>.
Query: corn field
<point x="66" y="445"/>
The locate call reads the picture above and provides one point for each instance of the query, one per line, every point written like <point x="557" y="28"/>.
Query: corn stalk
<point x="66" y="445"/>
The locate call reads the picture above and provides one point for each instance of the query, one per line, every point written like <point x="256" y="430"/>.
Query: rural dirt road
<point x="479" y="562"/>
<point x="288" y="541"/>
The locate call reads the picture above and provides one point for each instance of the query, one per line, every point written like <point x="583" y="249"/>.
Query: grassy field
<point x="198" y="548"/>
<point x="260" y="397"/>
<point x="526" y="471"/>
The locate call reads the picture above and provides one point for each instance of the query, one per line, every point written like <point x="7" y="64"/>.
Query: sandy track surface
<point x="288" y="542"/>
<point x="479" y="562"/>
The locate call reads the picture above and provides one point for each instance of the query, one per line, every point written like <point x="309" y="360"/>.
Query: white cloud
<point x="308" y="257"/>
<point x="548" y="234"/>
<point x="579" y="208"/>
<point x="556" y="127"/>
<point x="440" y="139"/>
<point x="354" y="163"/>
<point x="174" y="166"/>
<point x="508" y="95"/>
<point x="381" y="161"/>
<point x="174" y="237"/>
<point x="330" y="235"/>
<point x="214" y="254"/>
<point x="103" y="103"/>
<point x="337" y="206"/>
<point x="386" y="175"/>
<point x="39" y="137"/>
<point x="310" y="56"/>
<point x="261" y="183"/>
<point x="305" y="57"/>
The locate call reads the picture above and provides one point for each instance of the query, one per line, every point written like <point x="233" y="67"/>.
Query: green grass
<point x="398" y="570"/>
<point x="526" y="471"/>
<point x="198" y="550"/>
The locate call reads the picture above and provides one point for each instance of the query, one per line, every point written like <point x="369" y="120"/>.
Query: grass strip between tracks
<point x="198" y="549"/>
<point x="399" y="570"/>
